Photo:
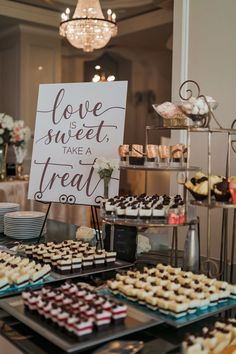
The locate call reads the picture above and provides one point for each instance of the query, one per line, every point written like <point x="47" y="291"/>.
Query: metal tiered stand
<point x="202" y="126"/>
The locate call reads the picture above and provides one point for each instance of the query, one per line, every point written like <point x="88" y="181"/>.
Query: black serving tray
<point x="118" y="264"/>
<point x="136" y="320"/>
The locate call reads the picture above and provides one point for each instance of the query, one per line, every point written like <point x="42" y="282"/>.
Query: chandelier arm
<point x="88" y="18"/>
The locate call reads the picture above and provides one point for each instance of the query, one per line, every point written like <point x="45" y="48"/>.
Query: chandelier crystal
<point x="88" y="29"/>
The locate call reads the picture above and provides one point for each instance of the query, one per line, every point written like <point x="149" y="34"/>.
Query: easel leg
<point x="232" y="250"/>
<point x="44" y="222"/>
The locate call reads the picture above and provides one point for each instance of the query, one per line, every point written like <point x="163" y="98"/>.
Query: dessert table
<point x="161" y="339"/>
<point x="16" y="192"/>
<point x="17" y="338"/>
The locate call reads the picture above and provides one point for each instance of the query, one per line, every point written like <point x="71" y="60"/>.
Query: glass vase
<point x="19" y="171"/>
<point x="3" y="161"/>
<point x="106" y="181"/>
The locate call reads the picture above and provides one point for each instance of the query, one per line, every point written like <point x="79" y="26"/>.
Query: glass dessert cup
<point x="163" y="155"/>
<point x="199" y="120"/>
<point x="151" y="155"/>
<point x="123" y="153"/>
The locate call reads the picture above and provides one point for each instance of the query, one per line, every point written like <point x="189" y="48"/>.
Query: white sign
<point x="75" y="124"/>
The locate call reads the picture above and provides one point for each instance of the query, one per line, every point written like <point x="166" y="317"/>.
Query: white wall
<point x="209" y="57"/>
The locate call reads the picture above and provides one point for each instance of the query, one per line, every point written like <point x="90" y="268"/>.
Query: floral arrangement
<point x="105" y="166"/>
<point x="13" y="132"/>
<point x="6" y="126"/>
<point x="105" y="169"/>
<point x="20" y="134"/>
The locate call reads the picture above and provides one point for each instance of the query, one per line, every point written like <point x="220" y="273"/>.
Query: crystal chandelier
<point x="88" y="29"/>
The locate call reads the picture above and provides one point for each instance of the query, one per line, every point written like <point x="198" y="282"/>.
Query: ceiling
<point x="123" y="8"/>
<point x="155" y="38"/>
<point x="150" y="39"/>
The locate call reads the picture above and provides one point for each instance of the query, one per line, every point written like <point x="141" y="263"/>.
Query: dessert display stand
<point x="151" y="223"/>
<point x="222" y="271"/>
<point x="201" y="126"/>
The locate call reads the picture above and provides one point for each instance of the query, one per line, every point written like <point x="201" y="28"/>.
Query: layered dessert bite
<point x="64" y="265"/>
<point x="19" y="271"/>
<point x="171" y="290"/>
<point x="75" y="308"/>
<point x="69" y="256"/>
<point x="87" y="260"/>
<point x="76" y="262"/>
<point x="144" y="206"/>
<point x="110" y="257"/>
<point x="99" y="258"/>
<point x="219" y="339"/>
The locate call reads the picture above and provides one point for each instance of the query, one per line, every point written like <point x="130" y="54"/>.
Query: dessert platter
<point x="72" y="258"/>
<point x="144" y="209"/>
<point x="220" y="339"/>
<point x="74" y="316"/>
<point x="27" y="268"/>
<point x="17" y="273"/>
<point x="222" y="189"/>
<point x="177" y="297"/>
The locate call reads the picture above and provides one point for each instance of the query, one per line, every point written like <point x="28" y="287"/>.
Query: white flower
<point x="103" y="163"/>
<point x="114" y="163"/>
<point x="7" y="122"/>
<point x="27" y="134"/>
<point x="19" y="123"/>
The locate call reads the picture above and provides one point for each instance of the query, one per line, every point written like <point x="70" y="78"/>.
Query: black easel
<point x="95" y="222"/>
<point x="45" y="219"/>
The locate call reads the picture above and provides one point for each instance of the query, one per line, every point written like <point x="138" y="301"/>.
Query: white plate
<point x="8" y="205"/>
<point x="25" y="214"/>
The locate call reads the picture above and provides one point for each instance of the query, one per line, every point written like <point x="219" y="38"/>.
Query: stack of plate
<point x="6" y="208"/>
<point x="23" y="224"/>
